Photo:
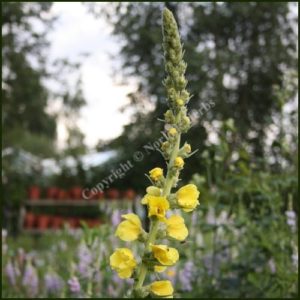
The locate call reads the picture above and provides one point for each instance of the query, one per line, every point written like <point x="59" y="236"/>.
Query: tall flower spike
<point x="157" y="256"/>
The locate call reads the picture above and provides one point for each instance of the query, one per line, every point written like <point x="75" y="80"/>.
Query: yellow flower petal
<point x="187" y="197"/>
<point x="130" y="229"/>
<point x="162" y="288"/>
<point x="157" y="206"/>
<point x="165" y="255"/>
<point x="133" y="218"/>
<point x="176" y="228"/>
<point x="123" y="262"/>
<point x="159" y="269"/>
<point x="125" y="273"/>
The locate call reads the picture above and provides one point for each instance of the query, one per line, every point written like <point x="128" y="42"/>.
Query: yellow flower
<point x="156" y="173"/>
<point x="179" y="162"/>
<point x="157" y="206"/>
<point x="187" y="197"/>
<point x="151" y="191"/>
<point x="176" y="228"/>
<point x="172" y="131"/>
<point x="123" y="262"/>
<point x="159" y="269"/>
<point x="165" y="255"/>
<point x="162" y="288"/>
<point x="130" y="229"/>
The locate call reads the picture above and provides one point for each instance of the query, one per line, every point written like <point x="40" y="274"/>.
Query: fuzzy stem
<point x="177" y="96"/>
<point x="155" y="223"/>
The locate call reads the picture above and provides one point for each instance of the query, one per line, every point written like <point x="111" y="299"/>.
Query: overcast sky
<point x="77" y="31"/>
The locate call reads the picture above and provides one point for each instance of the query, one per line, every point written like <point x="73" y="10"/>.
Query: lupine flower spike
<point x="159" y="197"/>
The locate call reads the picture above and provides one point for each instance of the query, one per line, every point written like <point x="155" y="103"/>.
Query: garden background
<point x="82" y="96"/>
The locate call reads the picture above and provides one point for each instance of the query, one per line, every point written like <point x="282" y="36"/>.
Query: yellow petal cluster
<point x="156" y="174"/>
<point x="187" y="197"/>
<point x="176" y="228"/>
<point x="162" y="288"/>
<point x="130" y="229"/>
<point x="123" y="262"/>
<point x="165" y="255"/>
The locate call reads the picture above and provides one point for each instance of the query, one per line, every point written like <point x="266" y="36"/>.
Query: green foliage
<point x="24" y="95"/>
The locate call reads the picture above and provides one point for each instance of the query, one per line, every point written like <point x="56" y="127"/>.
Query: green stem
<point x="155" y="223"/>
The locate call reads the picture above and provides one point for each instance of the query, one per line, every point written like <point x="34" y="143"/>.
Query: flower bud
<point x="179" y="162"/>
<point x="179" y="102"/>
<point x="156" y="174"/>
<point x="169" y="117"/>
<point x="153" y="190"/>
<point x="172" y="131"/>
<point x="187" y="148"/>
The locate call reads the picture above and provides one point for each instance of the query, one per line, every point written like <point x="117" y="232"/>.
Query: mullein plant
<point x="160" y="197"/>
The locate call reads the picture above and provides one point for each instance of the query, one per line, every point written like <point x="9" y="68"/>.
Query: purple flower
<point x="30" y="280"/>
<point x="74" y="285"/>
<point x="53" y="283"/>
<point x="84" y="270"/>
<point x="11" y="272"/>
<point x="194" y="218"/>
<point x="4" y="245"/>
<point x="116" y="279"/>
<point x="290" y="214"/>
<point x="116" y="217"/>
<point x="112" y="291"/>
<point x="291" y="219"/>
<point x="85" y="259"/>
<point x="186" y="276"/>
<point x="84" y="254"/>
<point x="295" y="259"/>
<point x="272" y="265"/>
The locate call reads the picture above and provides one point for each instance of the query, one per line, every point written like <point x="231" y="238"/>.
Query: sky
<point x="77" y="31"/>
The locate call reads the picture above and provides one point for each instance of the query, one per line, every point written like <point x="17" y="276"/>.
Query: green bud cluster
<point x="175" y="67"/>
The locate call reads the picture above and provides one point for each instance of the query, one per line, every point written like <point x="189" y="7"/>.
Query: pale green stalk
<point x="155" y="223"/>
<point x="176" y="117"/>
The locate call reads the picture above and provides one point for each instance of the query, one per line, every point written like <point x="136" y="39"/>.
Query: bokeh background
<point x="82" y="94"/>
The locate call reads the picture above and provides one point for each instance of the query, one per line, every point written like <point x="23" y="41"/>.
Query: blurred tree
<point x="24" y="95"/>
<point x="235" y="53"/>
<point x="30" y="82"/>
